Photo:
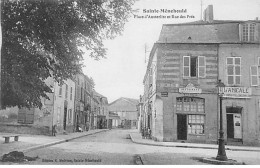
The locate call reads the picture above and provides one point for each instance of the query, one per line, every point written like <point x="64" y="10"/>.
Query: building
<point x="181" y="100"/>
<point x="63" y="106"/>
<point x="57" y="111"/>
<point x="102" y="110"/>
<point x="113" y="120"/>
<point x="83" y="102"/>
<point x="126" y="109"/>
<point x="140" y="114"/>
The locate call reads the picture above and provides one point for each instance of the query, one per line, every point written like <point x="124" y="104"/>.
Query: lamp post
<point x="221" y="141"/>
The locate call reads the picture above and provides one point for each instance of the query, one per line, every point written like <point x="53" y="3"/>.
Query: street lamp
<point x="221" y="141"/>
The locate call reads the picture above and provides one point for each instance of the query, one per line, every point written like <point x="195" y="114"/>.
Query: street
<point x="114" y="147"/>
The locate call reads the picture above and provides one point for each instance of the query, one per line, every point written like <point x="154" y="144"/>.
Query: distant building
<point x="126" y="109"/>
<point x="83" y="102"/>
<point x="102" y="111"/>
<point x="71" y="105"/>
<point x="180" y="96"/>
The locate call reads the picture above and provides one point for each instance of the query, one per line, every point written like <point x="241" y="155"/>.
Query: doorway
<point x="234" y="124"/>
<point x="65" y="118"/>
<point x="181" y="127"/>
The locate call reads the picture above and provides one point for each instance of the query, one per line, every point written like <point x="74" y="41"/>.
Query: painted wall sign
<point x="236" y="92"/>
<point x="190" y="88"/>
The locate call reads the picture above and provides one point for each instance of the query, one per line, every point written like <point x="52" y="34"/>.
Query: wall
<point x="60" y="102"/>
<point x="169" y="78"/>
<point x="249" y="54"/>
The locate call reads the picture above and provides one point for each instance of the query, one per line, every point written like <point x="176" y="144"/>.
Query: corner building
<point x="185" y="64"/>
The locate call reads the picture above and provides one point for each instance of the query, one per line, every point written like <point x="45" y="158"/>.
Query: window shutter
<point x="21" y="115"/>
<point x="241" y="32"/>
<point x="254" y="75"/>
<point x="186" y="66"/>
<point x="30" y="116"/>
<point x="202" y="67"/>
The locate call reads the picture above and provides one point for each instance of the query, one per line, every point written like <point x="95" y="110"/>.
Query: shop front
<point x="195" y="115"/>
<point x="239" y="107"/>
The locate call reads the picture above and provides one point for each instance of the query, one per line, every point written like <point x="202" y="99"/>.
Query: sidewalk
<point x="137" y="138"/>
<point x="29" y="142"/>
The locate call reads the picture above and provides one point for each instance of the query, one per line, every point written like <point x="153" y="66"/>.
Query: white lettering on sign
<point x="235" y="92"/>
<point x="190" y="88"/>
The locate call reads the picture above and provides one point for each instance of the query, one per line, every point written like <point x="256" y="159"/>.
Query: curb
<point x="58" y="142"/>
<point x="219" y="162"/>
<point x="183" y="146"/>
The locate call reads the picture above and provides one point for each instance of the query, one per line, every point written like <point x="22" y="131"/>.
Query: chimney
<point x="208" y="14"/>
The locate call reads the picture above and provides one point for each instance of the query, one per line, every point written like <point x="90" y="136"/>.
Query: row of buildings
<point x="181" y="97"/>
<point x="71" y="105"/>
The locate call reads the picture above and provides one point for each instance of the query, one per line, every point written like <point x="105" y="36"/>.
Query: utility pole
<point x="200" y="9"/>
<point x="1" y="54"/>
<point x="221" y="141"/>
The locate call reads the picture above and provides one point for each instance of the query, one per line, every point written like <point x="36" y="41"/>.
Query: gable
<point x="123" y="104"/>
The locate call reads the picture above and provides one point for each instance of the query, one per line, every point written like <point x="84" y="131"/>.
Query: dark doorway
<point x="181" y="127"/>
<point x="230" y="126"/>
<point x="65" y="118"/>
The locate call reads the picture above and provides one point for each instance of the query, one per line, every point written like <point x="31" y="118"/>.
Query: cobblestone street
<point x="115" y="147"/>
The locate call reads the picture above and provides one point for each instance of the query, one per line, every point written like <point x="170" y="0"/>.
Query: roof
<point x="130" y="100"/>
<point x="218" y="31"/>
<point x="124" y="104"/>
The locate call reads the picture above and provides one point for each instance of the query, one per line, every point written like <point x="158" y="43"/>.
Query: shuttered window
<point x="70" y="93"/>
<point x="60" y="91"/>
<point x="194" y="66"/>
<point x="254" y="75"/>
<point x="66" y="91"/>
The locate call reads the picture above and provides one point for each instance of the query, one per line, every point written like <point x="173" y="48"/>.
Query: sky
<point x="121" y="74"/>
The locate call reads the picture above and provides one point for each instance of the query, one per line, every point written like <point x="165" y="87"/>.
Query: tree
<point x="46" y="38"/>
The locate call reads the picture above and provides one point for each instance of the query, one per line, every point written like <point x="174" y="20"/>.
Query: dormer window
<point x="248" y="32"/>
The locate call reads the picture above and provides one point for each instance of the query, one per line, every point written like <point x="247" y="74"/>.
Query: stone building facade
<point x="181" y="100"/>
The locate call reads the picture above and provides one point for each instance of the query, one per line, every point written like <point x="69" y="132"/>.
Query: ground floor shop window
<point x="190" y="104"/>
<point x="196" y="124"/>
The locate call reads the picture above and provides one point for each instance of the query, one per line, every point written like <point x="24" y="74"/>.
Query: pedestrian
<point x="54" y="131"/>
<point x="149" y="133"/>
<point x="143" y="132"/>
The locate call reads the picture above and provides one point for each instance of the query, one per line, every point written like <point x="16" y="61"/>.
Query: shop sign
<point x="164" y="94"/>
<point x="235" y="92"/>
<point x="190" y="88"/>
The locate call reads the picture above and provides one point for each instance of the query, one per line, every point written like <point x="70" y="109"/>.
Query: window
<point x="254" y="75"/>
<point x="60" y="91"/>
<point x="190" y="104"/>
<point x="70" y="116"/>
<point x="151" y="77"/>
<point x="259" y="68"/>
<point x="196" y="124"/>
<point x="248" y="32"/>
<point x="194" y="66"/>
<point x="233" y="70"/>
<point x="58" y="115"/>
<point x="66" y="92"/>
<point x="70" y="93"/>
